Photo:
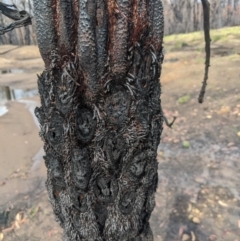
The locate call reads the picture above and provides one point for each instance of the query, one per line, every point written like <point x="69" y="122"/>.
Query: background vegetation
<point x="181" y="16"/>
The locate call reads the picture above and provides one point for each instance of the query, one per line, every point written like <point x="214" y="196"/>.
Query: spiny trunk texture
<point x="100" y="114"/>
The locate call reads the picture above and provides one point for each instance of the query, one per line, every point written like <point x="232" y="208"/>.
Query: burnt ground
<point x="198" y="195"/>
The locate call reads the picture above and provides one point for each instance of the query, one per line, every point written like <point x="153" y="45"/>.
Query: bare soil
<point x="198" y="195"/>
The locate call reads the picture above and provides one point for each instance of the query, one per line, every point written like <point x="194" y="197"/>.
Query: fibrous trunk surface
<point x="100" y="114"/>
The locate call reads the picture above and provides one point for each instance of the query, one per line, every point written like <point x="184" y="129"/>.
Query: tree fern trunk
<point x="100" y="114"/>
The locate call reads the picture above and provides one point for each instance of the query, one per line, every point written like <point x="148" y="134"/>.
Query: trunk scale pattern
<point x="100" y="114"/>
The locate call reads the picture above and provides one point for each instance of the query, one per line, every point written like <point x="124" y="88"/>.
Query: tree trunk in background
<point x="229" y="12"/>
<point x="27" y="36"/>
<point x="100" y="114"/>
<point x="195" y="26"/>
<point x="219" y="13"/>
<point x="19" y="36"/>
<point x="3" y="39"/>
<point x="10" y="37"/>
<point x="33" y="26"/>
<point x="189" y="14"/>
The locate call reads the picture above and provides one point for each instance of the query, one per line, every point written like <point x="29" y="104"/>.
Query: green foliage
<point x="215" y="38"/>
<point x="184" y="99"/>
<point x="195" y="39"/>
<point x="185" y="144"/>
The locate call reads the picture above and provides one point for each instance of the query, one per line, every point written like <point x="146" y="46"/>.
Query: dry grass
<point x="222" y="36"/>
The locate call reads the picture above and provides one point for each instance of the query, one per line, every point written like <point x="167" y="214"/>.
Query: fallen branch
<point x="206" y="13"/>
<point x="22" y="18"/>
<point x="167" y="122"/>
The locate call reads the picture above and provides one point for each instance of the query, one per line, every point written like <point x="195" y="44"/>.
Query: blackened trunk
<point x="100" y="114"/>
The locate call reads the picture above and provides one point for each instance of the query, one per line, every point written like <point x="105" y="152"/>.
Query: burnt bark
<point x="22" y="18"/>
<point x="206" y="27"/>
<point x="100" y="114"/>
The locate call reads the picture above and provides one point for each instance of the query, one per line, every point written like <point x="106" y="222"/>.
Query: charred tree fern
<point x="100" y="114"/>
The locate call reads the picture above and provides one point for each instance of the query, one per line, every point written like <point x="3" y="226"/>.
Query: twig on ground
<point x="166" y="120"/>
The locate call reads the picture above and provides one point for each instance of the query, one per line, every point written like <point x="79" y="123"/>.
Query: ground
<point x="198" y="195"/>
